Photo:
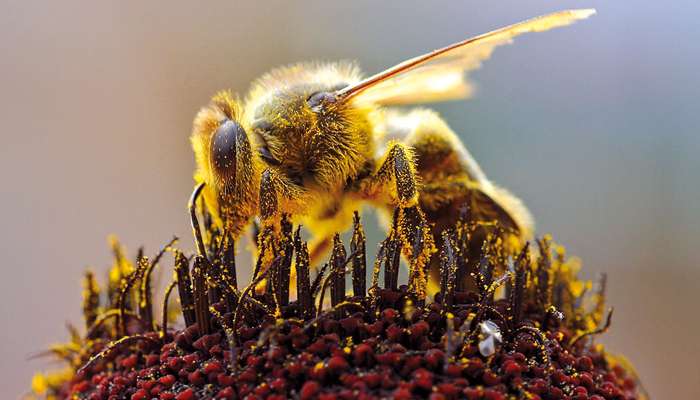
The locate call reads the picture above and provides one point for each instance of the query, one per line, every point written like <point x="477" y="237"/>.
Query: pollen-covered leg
<point x="396" y="177"/>
<point x="396" y="183"/>
<point x="278" y="200"/>
<point x="451" y="179"/>
<point x="269" y="206"/>
<point x="227" y="163"/>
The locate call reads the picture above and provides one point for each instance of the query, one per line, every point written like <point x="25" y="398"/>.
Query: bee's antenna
<point x="194" y="221"/>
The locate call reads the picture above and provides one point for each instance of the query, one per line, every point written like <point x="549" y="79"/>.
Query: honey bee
<point x="315" y="141"/>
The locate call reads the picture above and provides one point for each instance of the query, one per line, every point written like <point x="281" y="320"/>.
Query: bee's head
<point x="304" y="130"/>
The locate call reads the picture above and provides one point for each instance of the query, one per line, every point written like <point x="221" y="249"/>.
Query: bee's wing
<point x="440" y="74"/>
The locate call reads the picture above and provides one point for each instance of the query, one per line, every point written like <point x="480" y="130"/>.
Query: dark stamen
<point x="337" y="261"/>
<point x="359" y="262"/>
<point x="517" y="296"/>
<point x="184" y="288"/>
<point x="166" y="299"/>
<point x="201" y="296"/>
<point x="91" y="298"/>
<point x="303" y="280"/>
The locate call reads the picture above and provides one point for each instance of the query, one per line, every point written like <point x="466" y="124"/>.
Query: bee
<point x="317" y="140"/>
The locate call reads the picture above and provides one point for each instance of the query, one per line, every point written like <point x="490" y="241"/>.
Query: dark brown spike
<point x="329" y="279"/>
<point x="208" y="220"/>
<point x="464" y="267"/>
<point x="272" y="286"/>
<point x="393" y="250"/>
<point x="114" y="281"/>
<point x="201" y="296"/>
<point x="484" y="275"/>
<point x="144" y="309"/>
<point x="463" y="249"/>
<point x="359" y="262"/>
<point x="122" y="301"/>
<point x="450" y="336"/>
<point x="213" y="268"/>
<point x="304" y="295"/>
<point x="448" y="269"/>
<point x="517" y="297"/>
<point x="391" y="264"/>
<point x="378" y="261"/>
<point x="544" y="274"/>
<point x="184" y="288"/>
<point x="316" y="285"/>
<point x="560" y="288"/>
<point x="214" y="294"/>
<point x="600" y="289"/>
<point x="337" y="262"/>
<point x="91" y="298"/>
<point x="285" y="269"/>
<point x="121" y="268"/>
<point x="194" y="221"/>
<point x="166" y="299"/>
<point x="322" y="293"/>
<point x="144" y="293"/>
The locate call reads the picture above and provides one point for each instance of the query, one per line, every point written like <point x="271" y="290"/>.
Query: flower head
<point x="508" y="323"/>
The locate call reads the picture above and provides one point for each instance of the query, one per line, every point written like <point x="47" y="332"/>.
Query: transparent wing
<point x="441" y="74"/>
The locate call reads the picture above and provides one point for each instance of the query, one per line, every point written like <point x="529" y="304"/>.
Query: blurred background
<point x="594" y="126"/>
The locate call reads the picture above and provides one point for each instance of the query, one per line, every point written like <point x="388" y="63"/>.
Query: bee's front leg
<point x="278" y="196"/>
<point x="279" y="200"/>
<point x="269" y="204"/>
<point x="395" y="183"/>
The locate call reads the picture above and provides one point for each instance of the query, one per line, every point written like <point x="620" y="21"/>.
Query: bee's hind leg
<point x="451" y="180"/>
<point x="395" y="183"/>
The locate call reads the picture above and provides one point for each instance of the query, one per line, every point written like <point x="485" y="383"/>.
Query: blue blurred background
<point x="594" y="126"/>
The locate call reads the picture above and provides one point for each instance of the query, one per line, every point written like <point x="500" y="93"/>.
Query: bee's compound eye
<point x="224" y="145"/>
<point x="317" y="100"/>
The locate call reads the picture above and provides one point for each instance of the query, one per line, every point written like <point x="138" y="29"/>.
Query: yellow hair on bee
<point x="315" y="74"/>
<point x="332" y="144"/>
